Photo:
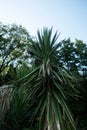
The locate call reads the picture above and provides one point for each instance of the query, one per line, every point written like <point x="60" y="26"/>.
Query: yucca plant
<point x="49" y="86"/>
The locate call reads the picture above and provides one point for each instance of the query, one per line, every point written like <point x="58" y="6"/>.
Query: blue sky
<point x="67" y="16"/>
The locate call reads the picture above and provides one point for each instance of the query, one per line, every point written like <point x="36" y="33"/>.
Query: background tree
<point x="81" y="52"/>
<point x="14" y="44"/>
<point x="80" y="106"/>
<point x="67" y="53"/>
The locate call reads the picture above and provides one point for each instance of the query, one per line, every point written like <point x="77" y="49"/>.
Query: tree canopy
<point x="14" y="44"/>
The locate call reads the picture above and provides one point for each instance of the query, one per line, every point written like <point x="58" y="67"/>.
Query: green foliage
<point x="17" y="115"/>
<point x="67" y="55"/>
<point x="46" y="91"/>
<point x="14" y="44"/>
<point x="47" y="84"/>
